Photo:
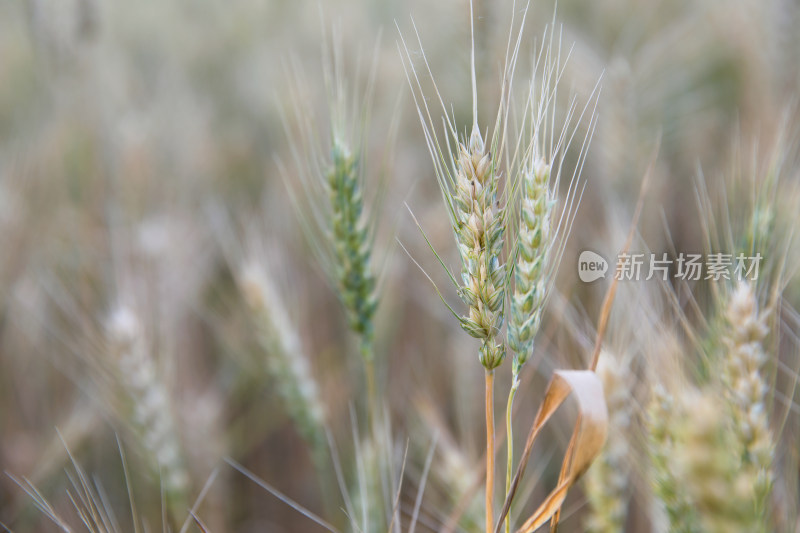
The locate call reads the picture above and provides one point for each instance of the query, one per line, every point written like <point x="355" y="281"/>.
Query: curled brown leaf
<point x="587" y="439"/>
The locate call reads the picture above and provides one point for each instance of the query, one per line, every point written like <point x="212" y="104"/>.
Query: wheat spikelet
<point x="607" y="480"/>
<point x="285" y="358"/>
<point x="151" y="410"/>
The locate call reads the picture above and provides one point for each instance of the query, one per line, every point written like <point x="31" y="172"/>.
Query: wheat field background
<point x="192" y="332"/>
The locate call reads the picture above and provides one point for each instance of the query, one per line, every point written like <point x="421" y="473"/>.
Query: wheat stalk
<point x="469" y="185"/>
<point x="479" y="217"/>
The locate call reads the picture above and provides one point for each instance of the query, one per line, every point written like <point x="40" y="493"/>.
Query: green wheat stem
<point x="510" y="436"/>
<point x="372" y="394"/>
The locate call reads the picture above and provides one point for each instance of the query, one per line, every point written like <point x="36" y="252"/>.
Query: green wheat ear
<point x="328" y="184"/>
<point x="530" y="275"/>
<point x="352" y="244"/>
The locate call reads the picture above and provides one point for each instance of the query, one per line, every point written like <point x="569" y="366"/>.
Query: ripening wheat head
<point x="514" y="227"/>
<point x="469" y="182"/>
<point x="479" y="228"/>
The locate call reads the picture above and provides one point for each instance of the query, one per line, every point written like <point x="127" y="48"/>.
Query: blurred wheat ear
<point x="149" y="407"/>
<point x="746" y="388"/>
<point x="607" y="481"/>
<point x="710" y="468"/>
<point x="663" y="417"/>
<point x="285" y="358"/>
<point x="282" y="356"/>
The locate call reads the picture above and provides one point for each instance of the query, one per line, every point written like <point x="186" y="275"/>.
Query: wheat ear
<point x="339" y="222"/>
<point x="710" y="468"/>
<point x="285" y="359"/>
<point x="530" y="284"/>
<point x="352" y="244"/>
<point x="662" y="425"/>
<point x="607" y="480"/>
<point x="541" y="235"/>
<point x="746" y="388"/>
<point x="479" y="229"/>
<point x="151" y="409"/>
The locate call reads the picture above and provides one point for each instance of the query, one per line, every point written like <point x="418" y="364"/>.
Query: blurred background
<point x="144" y="156"/>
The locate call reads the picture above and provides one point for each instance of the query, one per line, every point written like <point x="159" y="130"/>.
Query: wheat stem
<point x="510" y="437"/>
<point x="490" y="452"/>
<point x="372" y="394"/>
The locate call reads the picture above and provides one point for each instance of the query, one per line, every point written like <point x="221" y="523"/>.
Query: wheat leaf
<point x="587" y="439"/>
